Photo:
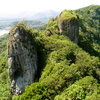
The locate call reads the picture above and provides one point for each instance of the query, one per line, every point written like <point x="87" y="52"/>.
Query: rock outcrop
<point x="22" y="59"/>
<point x="48" y="33"/>
<point x="68" y="25"/>
<point x="65" y="24"/>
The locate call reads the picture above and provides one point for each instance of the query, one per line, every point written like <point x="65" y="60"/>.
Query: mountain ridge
<point x="66" y="70"/>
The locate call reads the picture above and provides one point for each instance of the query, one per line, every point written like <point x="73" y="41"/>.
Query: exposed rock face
<point x="65" y="24"/>
<point x="22" y="59"/>
<point x="48" y="33"/>
<point x="68" y="25"/>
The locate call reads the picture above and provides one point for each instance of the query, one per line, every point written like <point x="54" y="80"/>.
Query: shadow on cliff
<point x="87" y="46"/>
<point x="42" y="57"/>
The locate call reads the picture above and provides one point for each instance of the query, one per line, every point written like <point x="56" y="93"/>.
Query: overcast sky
<point x="23" y="7"/>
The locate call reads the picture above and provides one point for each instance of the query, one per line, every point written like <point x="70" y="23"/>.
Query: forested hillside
<point x="4" y="78"/>
<point x="68" y="53"/>
<point x="90" y="29"/>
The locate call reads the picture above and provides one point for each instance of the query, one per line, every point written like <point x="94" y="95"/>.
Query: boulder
<point x="48" y="33"/>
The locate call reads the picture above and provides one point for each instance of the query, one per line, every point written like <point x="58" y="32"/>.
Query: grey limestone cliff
<point x="68" y="25"/>
<point x="22" y="59"/>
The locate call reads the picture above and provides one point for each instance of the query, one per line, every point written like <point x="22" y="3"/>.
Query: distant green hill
<point x="31" y="23"/>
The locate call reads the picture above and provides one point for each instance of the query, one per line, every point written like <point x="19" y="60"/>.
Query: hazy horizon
<point x="22" y="8"/>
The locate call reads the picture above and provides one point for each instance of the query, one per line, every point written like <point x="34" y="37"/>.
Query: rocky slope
<point x="22" y="59"/>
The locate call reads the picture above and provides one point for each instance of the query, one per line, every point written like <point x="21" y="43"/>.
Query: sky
<point x="12" y="8"/>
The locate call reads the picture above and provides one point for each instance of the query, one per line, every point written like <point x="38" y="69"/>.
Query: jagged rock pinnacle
<point x="22" y="59"/>
<point x="68" y="25"/>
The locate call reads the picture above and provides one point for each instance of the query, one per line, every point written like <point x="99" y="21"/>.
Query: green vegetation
<point x="66" y="71"/>
<point x="31" y="23"/>
<point x="52" y="26"/>
<point x="89" y="38"/>
<point x="67" y="15"/>
<point x="64" y="63"/>
<point x="84" y="89"/>
<point x="4" y="79"/>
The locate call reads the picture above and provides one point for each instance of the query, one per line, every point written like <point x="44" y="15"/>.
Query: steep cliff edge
<point x="68" y="25"/>
<point x="65" y="24"/>
<point x="22" y="59"/>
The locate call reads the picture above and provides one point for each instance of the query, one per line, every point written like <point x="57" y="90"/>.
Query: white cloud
<point x="17" y="7"/>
